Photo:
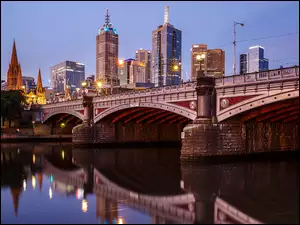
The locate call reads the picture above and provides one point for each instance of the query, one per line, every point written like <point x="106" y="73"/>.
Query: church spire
<point x="14" y="56"/>
<point x="19" y="80"/>
<point x="15" y="192"/>
<point x="39" y="85"/>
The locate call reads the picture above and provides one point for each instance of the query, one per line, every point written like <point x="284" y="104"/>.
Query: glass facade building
<point x="256" y="61"/>
<point x="66" y="73"/>
<point x="243" y="63"/>
<point x="166" y="55"/>
<point x="144" y="56"/>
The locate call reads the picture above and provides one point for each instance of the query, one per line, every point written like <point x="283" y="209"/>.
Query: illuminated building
<point x="166" y="54"/>
<point x="107" y="44"/>
<point x="256" y="61"/>
<point x="131" y="72"/>
<point x="66" y="73"/>
<point x="213" y="63"/>
<point x="14" y="73"/>
<point x="144" y="56"/>
<point x="37" y="95"/>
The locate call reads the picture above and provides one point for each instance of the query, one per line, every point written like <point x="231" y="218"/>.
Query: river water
<point x="56" y="183"/>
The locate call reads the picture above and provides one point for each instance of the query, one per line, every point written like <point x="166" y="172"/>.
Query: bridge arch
<point x="258" y="102"/>
<point x="168" y="107"/>
<point x="63" y="111"/>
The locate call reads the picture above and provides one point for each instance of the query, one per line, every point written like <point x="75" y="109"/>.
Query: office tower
<point x="107" y="44"/>
<point x="14" y="73"/>
<point x="66" y="73"/>
<point x="144" y="56"/>
<point x="213" y="63"/>
<point x="243" y="63"/>
<point x="132" y="71"/>
<point x="256" y="60"/>
<point x="166" y="53"/>
<point x="29" y="83"/>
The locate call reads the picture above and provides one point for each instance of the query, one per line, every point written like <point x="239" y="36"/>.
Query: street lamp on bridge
<point x="234" y="45"/>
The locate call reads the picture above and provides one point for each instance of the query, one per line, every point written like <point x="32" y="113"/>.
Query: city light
<point x="24" y="185"/>
<point x="33" y="181"/>
<point x="50" y="193"/>
<point x="62" y="125"/>
<point x="84" y="205"/>
<point x="33" y="158"/>
<point x="199" y="57"/>
<point x="99" y="84"/>
<point x="120" y="221"/>
<point x="63" y="154"/>
<point x="121" y="62"/>
<point x="83" y="84"/>
<point x="176" y="68"/>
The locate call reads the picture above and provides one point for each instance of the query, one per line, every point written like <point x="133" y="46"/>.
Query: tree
<point x="12" y="105"/>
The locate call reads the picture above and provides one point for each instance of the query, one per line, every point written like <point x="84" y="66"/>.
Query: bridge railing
<point x="259" y="76"/>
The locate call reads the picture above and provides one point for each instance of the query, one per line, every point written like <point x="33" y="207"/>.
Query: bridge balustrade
<point x="258" y="76"/>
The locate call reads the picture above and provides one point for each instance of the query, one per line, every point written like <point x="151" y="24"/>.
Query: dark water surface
<point x="52" y="183"/>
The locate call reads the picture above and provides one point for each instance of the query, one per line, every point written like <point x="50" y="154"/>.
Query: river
<point x="57" y="183"/>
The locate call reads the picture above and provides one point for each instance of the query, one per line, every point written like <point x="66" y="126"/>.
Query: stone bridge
<point x="234" y="104"/>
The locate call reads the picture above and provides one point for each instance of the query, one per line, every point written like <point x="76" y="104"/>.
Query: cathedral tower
<point x="14" y="72"/>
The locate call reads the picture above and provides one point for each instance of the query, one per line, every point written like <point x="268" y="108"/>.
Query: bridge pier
<point x="206" y="137"/>
<point x="84" y="133"/>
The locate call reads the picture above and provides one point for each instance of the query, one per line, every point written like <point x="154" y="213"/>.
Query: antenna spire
<point x="166" y="16"/>
<point x="107" y="18"/>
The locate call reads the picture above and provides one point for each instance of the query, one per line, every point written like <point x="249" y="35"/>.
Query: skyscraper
<point x="144" y="56"/>
<point x="132" y="71"/>
<point x="107" y="44"/>
<point x="14" y="73"/>
<point x="256" y="60"/>
<point x="212" y="65"/>
<point x="66" y="73"/>
<point x="243" y="63"/>
<point x="166" y="53"/>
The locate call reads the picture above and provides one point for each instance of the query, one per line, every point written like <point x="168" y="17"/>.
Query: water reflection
<point x="141" y="186"/>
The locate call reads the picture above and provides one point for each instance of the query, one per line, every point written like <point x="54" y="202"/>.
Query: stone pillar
<point x="205" y="137"/>
<point x="85" y="133"/>
<point x="205" y="89"/>
<point x="88" y="110"/>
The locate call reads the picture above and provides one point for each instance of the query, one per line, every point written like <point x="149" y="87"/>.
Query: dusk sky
<point x="48" y="33"/>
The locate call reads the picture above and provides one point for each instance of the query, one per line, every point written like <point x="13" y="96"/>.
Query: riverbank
<point x="14" y="138"/>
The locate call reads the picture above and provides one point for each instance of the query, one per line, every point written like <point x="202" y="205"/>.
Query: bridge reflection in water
<point x="154" y="182"/>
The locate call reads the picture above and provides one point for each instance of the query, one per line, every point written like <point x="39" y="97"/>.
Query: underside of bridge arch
<point x="279" y="112"/>
<point x="142" y="124"/>
<point x="62" y="123"/>
<point x="144" y="115"/>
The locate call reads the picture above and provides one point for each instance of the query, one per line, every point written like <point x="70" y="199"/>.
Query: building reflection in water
<point x="266" y="191"/>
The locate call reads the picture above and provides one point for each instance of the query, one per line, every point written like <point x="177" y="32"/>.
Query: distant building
<point x="144" y="56"/>
<point x="243" y="63"/>
<point x="213" y="63"/>
<point x="66" y="73"/>
<point x="3" y="86"/>
<point x="28" y="82"/>
<point x="131" y="71"/>
<point x="107" y="44"/>
<point x="256" y="60"/>
<point x="49" y="94"/>
<point x="166" y="54"/>
<point x="90" y="80"/>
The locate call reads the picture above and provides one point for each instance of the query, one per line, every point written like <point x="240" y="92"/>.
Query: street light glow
<point x="99" y="84"/>
<point x="176" y="67"/>
<point x="121" y="62"/>
<point x="83" y="84"/>
<point x="62" y="125"/>
<point x="199" y="57"/>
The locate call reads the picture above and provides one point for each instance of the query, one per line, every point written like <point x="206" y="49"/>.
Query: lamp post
<point x="234" y="45"/>
<point x="83" y="84"/>
<point x="99" y="85"/>
<point x="200" y="59"/>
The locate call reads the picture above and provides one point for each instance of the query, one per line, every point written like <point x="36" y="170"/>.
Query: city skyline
<point x="35" y="51"/>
